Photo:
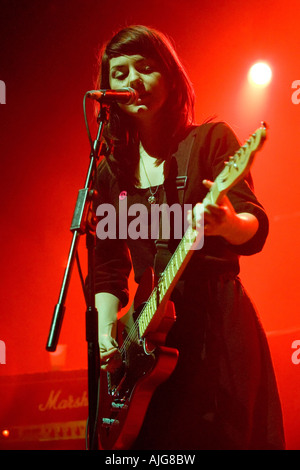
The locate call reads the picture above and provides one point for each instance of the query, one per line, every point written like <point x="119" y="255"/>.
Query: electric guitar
<point x="125" y="394"/>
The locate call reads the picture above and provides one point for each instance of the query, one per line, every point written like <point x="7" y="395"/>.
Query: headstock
<point x="239" y="164"/>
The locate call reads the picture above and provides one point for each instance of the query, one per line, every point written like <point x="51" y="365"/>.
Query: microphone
<point x="123" y="95"/>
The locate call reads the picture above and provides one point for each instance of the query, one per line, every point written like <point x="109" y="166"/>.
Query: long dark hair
<point x="178" y="108"/>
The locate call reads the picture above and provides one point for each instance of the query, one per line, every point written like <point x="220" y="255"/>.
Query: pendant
<point x="151" y="199"/>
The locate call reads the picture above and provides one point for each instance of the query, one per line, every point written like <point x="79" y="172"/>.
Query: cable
<point x="86" y="123"/>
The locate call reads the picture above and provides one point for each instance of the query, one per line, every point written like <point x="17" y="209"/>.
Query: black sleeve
<point x="112" y="260"/>
<point x="223" y="144"/>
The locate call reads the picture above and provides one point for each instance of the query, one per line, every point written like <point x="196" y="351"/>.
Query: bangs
<point x="138" y="40"/>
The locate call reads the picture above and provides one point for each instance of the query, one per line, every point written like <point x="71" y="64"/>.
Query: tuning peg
<point x="264" y="124"/>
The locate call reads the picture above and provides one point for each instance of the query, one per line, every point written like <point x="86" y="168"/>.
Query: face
<point x="144" y="76"/>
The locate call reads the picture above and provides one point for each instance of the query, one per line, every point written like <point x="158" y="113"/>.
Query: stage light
<point x="5" y="433"/>
<point x="260" y="74"/>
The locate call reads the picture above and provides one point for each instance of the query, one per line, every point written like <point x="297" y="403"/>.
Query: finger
<point x="190" y="217"/>
<point x="198" y="215"/>
<point x="208" y="184"/>
<point x="110" y="362"/>
<point x="215" y="211"/>
<point x="195" y="217"/>
<point x="105" y="355"/>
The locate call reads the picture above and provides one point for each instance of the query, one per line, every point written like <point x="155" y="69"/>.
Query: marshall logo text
<point x="56" y="402"/>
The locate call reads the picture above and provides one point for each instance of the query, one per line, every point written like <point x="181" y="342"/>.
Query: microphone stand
<point x="82" y="223"/>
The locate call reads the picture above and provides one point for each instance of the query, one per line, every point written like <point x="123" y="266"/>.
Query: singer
<point x="222" y="393"/>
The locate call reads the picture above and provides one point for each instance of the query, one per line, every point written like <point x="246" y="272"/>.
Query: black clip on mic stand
<point x="82" y="223"/>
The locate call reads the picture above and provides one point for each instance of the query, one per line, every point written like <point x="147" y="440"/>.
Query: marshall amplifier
<point x="44" y="411"/>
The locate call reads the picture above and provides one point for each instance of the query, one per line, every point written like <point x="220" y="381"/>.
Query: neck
<point x="152" y="136"/>
<point x="150" y="139"/>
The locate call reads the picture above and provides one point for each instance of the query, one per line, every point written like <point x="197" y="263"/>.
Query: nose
<point x="135" y="80"/>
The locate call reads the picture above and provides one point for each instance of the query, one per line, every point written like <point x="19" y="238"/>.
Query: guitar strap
<point x="174" y="191"/>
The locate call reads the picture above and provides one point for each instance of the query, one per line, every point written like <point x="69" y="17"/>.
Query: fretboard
<point x="168" y="279"/>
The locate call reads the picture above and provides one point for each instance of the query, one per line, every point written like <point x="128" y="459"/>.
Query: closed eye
<point x="141" y="65"/>
<point x="146" y="68"/>
<point x="119" y="76"/>
<point x="119" y="73"/>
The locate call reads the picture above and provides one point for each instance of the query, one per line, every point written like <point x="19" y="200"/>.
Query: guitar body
<point x="125" y="394"/>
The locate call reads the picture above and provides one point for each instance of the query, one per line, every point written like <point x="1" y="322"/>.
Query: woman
<point x="222" y="394"/>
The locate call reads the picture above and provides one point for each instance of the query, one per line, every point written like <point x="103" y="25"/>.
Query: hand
<point x="222" y="220"/>
<point x="110" y="357"/>
<point x="219" y="219"/>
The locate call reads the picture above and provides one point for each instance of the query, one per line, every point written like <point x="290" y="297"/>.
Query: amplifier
<point x="44" y="411"/>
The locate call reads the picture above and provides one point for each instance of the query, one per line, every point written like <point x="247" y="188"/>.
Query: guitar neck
<point x="168" y="279"/>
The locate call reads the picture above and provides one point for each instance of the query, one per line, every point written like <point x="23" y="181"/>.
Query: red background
<point x="48" y="62"/>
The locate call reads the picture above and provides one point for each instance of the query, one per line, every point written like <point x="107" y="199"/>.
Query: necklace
<point x="152" y="198"/>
